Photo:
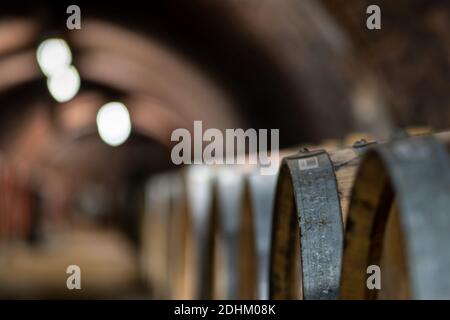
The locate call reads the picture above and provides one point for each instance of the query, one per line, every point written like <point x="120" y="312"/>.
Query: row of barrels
<point x="309" y="232"/>
<point x="18" y="206"/>
<point x="206" y="233"/>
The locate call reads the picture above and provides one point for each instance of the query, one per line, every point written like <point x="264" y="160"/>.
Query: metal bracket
<point x="320" y="221"/>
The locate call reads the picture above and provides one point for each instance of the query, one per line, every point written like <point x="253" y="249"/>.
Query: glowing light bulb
<point x="64" y="84"/>
<point x="114" y="123"/>
<point x="53" y="55"/>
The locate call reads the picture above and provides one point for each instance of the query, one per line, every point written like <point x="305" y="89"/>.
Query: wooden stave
<point x="367" y="218"/>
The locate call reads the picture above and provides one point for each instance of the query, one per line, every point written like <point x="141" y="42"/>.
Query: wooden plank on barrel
<point x="416" y="172"/>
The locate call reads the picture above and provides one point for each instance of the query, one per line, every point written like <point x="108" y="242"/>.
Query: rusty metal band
<point x="307" y="180"/>
<point x="416" y="172"/>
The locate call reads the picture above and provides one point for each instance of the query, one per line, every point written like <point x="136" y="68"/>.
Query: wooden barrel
<point x="399" y="220"/>
<point x="244" y="195"/>
<point x="176" y="238"/>
<point x="177" y="234"/>
<point x="312" y="197"/>
<point x="244" y="208"/>
<point x="261" y="196"/>
<point x="200" y="230"/>
<point x="180" y="267"/>
<point x="155" y="236"/>
<point x="232" y="253"/>
<point x="214" y="239"/>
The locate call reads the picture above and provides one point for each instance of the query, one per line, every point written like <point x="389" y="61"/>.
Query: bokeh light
<point x="113" y="123"/>
<point x="64" y="84"/>
<point x="53" y="55"/>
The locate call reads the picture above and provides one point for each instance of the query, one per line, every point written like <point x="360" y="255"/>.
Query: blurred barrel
<point x="230" y="246"/>
<point x="399" y="220"/>
<point x="262" y="196"/>
<point x="183" y="248"/>
<point x="244" y="204"/>
<point x="312" y="197"/>
<point x="155" y="236"/>
<point x="244" y="197"/>
<point x="198" y="184"/>
<point x="178" y="239"/>
<point x="177" y="228"/>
